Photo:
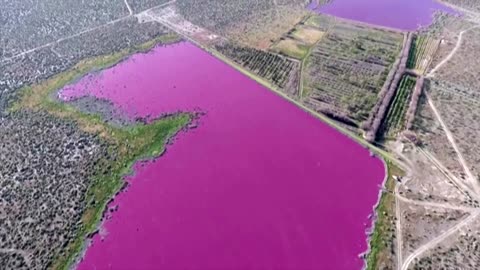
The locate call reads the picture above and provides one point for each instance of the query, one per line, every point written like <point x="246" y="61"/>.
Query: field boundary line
<point x="309" y="52"/>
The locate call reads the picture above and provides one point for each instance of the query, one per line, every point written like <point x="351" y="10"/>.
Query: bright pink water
<point x="400" y="14"/>
<point x="260" y="184"/>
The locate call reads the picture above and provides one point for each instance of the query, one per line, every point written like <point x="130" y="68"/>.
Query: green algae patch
<point x="126" y="145"/>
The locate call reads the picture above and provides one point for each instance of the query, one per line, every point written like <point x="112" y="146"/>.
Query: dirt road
<point x="452" y="53"/>
<point x="437" y="240"/>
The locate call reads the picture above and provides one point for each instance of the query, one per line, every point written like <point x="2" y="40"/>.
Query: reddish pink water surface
<point x="400" y="14"/>
<point x="260" y="184"/>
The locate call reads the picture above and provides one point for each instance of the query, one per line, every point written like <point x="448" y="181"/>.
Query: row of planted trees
<point x="273" y="67"/>
<point x="417" y="92"/>
<point x="373" y="123"/>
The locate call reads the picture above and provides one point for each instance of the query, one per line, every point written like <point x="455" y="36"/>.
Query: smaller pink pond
<point x="399" y="14"/>
<point x="260" y="184"/>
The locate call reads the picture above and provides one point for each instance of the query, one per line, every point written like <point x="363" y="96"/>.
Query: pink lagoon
<point x="400" y="14"/>
<point x="259" y="184"/>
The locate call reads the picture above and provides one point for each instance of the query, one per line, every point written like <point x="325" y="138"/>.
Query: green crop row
<point x="420" y="48"/>
<point x="396" y="113"/>
<point x="270" y="66"/>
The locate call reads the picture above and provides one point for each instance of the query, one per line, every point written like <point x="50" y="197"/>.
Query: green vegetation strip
<point x="411" y="53"/>
<point x="417" y="51"/>
<point x="127" y="145"/>
<point x="396" y="114"/>
<point x="384" y="233"/>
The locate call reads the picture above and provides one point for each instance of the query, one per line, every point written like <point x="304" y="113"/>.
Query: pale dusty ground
<point x="438" y="201"/>
<point x="458" y="251"/>
<point x="169" y="17"/>
<point x="417" y="223"/>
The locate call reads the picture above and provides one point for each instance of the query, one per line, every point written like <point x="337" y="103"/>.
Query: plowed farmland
<point x="347" y="68"/>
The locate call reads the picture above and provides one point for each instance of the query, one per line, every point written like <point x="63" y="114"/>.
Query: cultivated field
<point x="421" y="53"/>
<point x="347" y="68"/>
<point x="394" y="121"/>
<point x="291" y="48"/>
<point x="298" y="41"/>
<point x="321" y="22"/>
<point x="280" y="71"/>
